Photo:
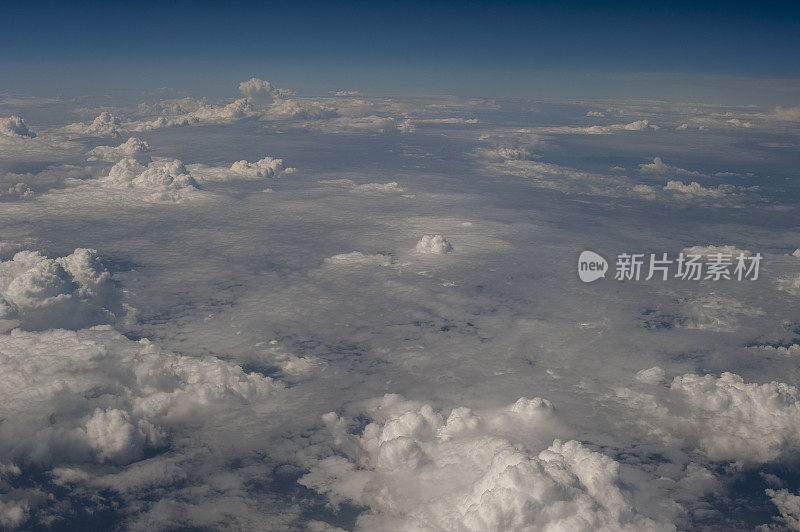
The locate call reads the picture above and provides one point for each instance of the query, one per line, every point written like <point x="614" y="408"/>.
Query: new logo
<point x="591" y="266"/>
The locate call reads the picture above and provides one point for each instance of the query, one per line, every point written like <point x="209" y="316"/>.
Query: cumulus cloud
<point x="265" y="168"/>
<point x="154" y="392"/>
<point x="161" y="180"/>
<point x="104" y="429"/>
<point x="104" y="125"/>
<point x="258" y="89"/>
<point x="133" y="147"/>
<point x="201" y="114"/>
<point x="724" y="417"/>
<point x="225" y="114"/>
<point x="433" y="245"/>
<point x="75" y="400"/>
<point x="279" y="106"/>
<point x="415" y="468"/>
<point x="659" y="167"/>
<point x="67" y="292"/>
<point x="14" y="126"/>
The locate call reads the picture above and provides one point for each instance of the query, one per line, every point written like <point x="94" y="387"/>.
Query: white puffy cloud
<point x="201" y="114"/>
<point x="659" y="167"/>
<point x="94" y="396"/>
<point x="104" y="125"/>
<point x="258" y="89"/>
<point x="267" y="167"/>
<point x="415" y="469"/>
<point x="219" y="280"/>
<point x="433" y="245"/>
<point x="279" y="106"/>
<point x="162" y="179"/>
<point x="133" y="147"/>
<point x="67" y="292"/>
<point x="163" y="122"/>
<point x="96" y="413"/>
<point x="14" y="126"/>
<point x="724" y="417"/>
<point x="225" y="114"/>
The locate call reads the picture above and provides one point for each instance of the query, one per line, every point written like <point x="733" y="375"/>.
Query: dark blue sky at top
<point x="492" y="48"/>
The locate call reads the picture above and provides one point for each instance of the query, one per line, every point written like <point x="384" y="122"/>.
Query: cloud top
<point x="14" y="126"/>
<point x="433" y="245"/>
<point x="67" y="292"/>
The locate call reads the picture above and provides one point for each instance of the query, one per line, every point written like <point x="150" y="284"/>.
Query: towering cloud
<point x="414" y="468"/>
<point x="258" y="89"/>
<point x="67" y="292"/>
<point x="14" y="126"/>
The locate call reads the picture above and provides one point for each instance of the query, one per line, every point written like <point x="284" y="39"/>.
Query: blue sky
<point x="542" y="49"/>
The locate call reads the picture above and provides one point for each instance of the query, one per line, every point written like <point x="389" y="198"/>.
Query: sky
<point x="374" y="267"/>
<point x="523" y="49"/>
